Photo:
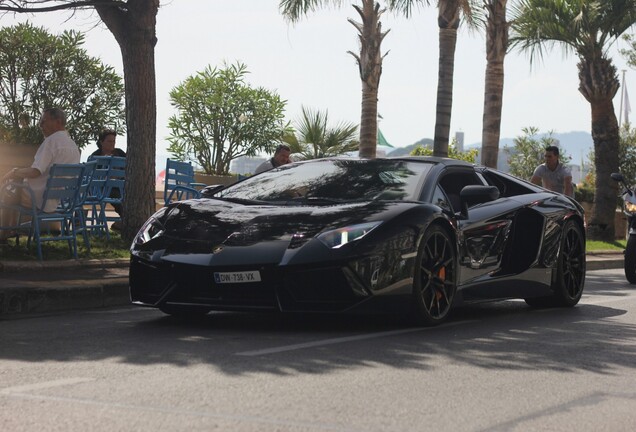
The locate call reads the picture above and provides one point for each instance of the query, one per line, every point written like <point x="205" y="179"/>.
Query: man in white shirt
<point x="57" y="148"/>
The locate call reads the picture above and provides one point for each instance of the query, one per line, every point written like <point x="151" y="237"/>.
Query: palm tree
<point x="316" y="139"/>
<point x="586" y="28"/>
<point x="448" y="19"/>
<point x="369" y="60"/>
<point x="496" y="47"/>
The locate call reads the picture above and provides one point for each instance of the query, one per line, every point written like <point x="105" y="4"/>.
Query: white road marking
<point x="45" y="385"/>
<point x="340" y="340"/>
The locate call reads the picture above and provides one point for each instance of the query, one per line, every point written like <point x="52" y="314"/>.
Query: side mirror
<point x="208" y="191"/>
<point x="471" y="195"/>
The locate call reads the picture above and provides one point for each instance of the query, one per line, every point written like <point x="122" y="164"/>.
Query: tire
<point x="569" y="278"/>
<point x="435" y="278"/>
<point x="184" y="312"/>
<point x="630" y="259"/>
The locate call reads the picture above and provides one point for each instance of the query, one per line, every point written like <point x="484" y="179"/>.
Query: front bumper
<point x="332" y="288"/>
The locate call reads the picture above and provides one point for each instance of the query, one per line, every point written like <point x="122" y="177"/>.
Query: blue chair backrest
<point x="87" y="181"/>
<point x="177" y="174"/>
<point x="110" y="173"/>
<point x="117" y="176"/>
<point x="100" y="175"/>
<point x="64" y="185"/>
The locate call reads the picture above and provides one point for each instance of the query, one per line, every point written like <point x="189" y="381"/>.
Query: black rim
<point x="573" y="263"/>
<point x="437" y="275"/>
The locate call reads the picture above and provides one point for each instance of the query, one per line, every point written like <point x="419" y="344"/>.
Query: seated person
<point x="106" y="147"/>
<point x="57" y="148"/>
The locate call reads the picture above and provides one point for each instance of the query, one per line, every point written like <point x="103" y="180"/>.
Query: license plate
<point x="237" y="277"/>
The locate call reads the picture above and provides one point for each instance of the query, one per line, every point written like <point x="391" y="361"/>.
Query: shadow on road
<point x="507" y="335"/>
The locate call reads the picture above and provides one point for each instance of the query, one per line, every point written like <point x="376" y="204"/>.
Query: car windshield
<point x="327" y="181"/>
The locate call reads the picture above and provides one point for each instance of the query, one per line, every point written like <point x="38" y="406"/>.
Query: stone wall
<point x="620" y="220"/>
<point x="214" y="179"/>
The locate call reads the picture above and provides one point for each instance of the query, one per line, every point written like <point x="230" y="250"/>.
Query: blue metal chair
<point x="115" y="187"/>
<point x="179" y="182"/>
<point x="64" y="184"/>
<point x="93" y="220"/>
<point x="84" y="192"/>
<point x="109" y="177"/>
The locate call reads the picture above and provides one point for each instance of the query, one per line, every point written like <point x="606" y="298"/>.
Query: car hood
<point x="221" y="222"/>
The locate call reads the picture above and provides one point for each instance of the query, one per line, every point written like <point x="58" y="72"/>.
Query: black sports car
<point x="333" y="235"/>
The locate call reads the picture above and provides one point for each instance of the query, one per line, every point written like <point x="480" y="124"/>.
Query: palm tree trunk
<point x="368" y="121"/>
<point x="448" y="21"/>
<point x="370" y="65"/>
<point x="496" y="46"/>
<point x="605" y="134"/>
<point x="598" y="83"/>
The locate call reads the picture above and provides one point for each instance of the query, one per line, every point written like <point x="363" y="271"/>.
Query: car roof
<point x="433" y="159"/>
<point x="423" y="159"/>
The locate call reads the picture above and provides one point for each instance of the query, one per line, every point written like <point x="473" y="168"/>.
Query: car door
<point x="482" y="233"/>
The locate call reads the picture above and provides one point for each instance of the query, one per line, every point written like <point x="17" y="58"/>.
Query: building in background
<point x="459" y="139"/>
<point x="245" y="164"/>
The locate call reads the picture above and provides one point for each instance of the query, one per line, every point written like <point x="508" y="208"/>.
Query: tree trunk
<point x="370" y="65"/>
<point x="598" y="83"/>
<point x="496" y="46"/>
<point x="448" y="21"/>
<point x="134" y="30"/>
<point x="368" y="122"/>
<point x="605" y="134"/>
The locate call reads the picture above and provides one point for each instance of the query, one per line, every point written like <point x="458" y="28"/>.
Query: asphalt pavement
<point x="32" y="287"/>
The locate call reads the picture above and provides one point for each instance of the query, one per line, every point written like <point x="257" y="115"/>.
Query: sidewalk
<point x="604" y="260"/>
<point x="31" y="287"/>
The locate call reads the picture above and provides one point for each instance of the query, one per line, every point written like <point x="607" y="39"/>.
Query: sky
<point x="307" y="63"/>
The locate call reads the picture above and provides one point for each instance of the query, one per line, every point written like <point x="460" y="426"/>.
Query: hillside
<point x="576" y="144"/>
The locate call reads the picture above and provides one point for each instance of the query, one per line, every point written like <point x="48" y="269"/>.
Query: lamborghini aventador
<point x="416" y="234"/>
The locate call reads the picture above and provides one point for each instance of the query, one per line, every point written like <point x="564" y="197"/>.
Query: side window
<point x="508" y="186"/>
<point x="453" y="182"/>
<point x="440" y="199"/>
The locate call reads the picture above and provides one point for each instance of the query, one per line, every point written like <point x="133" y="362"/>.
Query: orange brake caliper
<point x="442" y="276"/>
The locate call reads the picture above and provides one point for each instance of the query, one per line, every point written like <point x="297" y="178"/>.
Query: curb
<point x="603" y="260"/>
<point x="74" y="295"/>
<point x="613" y="263"/>
<point x="31" y="266"/>
<point x="38" y="287"/>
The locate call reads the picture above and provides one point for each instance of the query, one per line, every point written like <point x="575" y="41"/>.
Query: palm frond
<point x="294" y="10"/>
<point x="584" y="27"/>
<point x="317" y="139"/>
<point x="405" y="7"/>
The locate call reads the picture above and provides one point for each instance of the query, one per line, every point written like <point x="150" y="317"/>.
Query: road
<point x="495" y="367"/>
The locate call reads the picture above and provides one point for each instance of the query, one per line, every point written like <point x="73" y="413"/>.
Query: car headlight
<point x="341" y="236"/>
<point x="150" y="230"/>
